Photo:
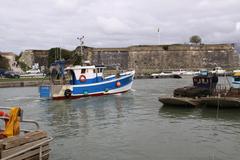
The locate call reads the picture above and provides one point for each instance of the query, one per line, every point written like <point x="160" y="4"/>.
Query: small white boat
<point x="236" y="71"/>
<point x="179" y="72"/>
<point x="33" y="71"/>
<point x="165" y="75"/>
<point x="218" y="71"/>
<point x="185" y="72"/>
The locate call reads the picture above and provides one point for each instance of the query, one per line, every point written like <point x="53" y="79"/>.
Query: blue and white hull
<point x="110" y="85"/>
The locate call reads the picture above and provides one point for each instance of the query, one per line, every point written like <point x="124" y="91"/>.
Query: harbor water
<point x="131" y="126"/>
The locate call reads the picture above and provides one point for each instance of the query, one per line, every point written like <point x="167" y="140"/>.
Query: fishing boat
<point x="87" y="80"/>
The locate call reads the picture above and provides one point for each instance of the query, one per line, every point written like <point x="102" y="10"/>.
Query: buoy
<point x="118" y="84"/>
<point x="82" y="78"/>
<point x="3" y="114"/>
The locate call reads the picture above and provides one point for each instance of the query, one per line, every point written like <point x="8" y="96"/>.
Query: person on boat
<point x="214" y="80"/>
<point x="117" y="75"/>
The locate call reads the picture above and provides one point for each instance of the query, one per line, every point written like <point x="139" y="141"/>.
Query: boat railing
<point x="221" y="90"/>
<point x="21" y="119"/>
<point x="56" y="89"/>
<point x="40" y="153"/>
<point x="27" y="146"/>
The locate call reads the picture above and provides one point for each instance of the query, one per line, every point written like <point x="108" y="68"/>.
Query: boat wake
<point x="133" y="90"/>
<point x="118" y="94"/>
<point x="23" y="98"/>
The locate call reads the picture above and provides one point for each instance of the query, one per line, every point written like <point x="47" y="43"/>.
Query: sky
<point x="43" y="24"/>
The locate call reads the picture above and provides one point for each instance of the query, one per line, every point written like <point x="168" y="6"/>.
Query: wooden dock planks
<point x="27" y="145"/>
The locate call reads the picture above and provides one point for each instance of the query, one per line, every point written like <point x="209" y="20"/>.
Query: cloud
<point x="238" y="26"/>
<point x="112" y="23"/>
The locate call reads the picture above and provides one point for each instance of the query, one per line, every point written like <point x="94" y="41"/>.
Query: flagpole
<point x="158" y="35"/>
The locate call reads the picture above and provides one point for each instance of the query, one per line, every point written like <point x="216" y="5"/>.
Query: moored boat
<point x="205" y="92"/>
<point x="186" y="72"/>
<point x="165" y="75"/>
<point x="219" y="71"/>
<point x="203" y="86"/>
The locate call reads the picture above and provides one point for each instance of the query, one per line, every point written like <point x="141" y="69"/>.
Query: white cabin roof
<point x="78" y="67"/>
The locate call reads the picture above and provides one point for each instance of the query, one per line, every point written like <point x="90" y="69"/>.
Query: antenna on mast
<point x="81" y="43"/>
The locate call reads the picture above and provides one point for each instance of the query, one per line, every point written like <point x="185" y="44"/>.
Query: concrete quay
<point x="23" y="83"/>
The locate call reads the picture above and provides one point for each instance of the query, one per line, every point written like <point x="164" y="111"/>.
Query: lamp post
<point x="158" y="35"/>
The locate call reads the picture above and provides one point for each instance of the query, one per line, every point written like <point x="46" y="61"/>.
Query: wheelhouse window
<point x="99" y="70"/>
<point x="90" y="71"/>
<point x="83" y="70"/>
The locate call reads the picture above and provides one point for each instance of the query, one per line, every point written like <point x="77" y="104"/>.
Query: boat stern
<point x="45" y="91"/>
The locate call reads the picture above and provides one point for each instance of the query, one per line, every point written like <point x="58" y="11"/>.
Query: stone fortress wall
<point x="146" y="59"/>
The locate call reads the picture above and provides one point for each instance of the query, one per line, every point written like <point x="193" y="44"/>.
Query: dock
<point x="30" y="146"/>
<point x="17" y="143"/>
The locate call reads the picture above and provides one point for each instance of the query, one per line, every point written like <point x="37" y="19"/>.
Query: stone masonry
<point x="146" y="59"/>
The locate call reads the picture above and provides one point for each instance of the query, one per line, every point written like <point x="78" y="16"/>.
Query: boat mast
<point x="81" y="43"/>
<point x="81" y="47"/>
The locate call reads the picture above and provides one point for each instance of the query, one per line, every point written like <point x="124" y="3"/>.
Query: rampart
<point x="146" y="59"/>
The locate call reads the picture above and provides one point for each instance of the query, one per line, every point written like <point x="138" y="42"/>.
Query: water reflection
<point x="222" y="114"/>
<point x="63" y="118"/>
<point x="119" y="107"/>
<point x="200" y="113"/>
<point x="132" y="125"/>
<point x="78" y="117"/>
<point x="177" y="112"/>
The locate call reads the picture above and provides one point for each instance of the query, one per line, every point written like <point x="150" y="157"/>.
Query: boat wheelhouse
<point x="204" y="85"/>
<point x="82" y="81"/>
<point x="85" y="74"/>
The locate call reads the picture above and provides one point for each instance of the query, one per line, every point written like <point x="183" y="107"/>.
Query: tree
<point x="54" y="54"/>
<point x="195" y="39"/>
<point x="4" y="63"/>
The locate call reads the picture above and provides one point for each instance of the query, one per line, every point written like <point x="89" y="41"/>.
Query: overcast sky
<point x="42" y="24"/>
